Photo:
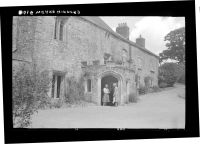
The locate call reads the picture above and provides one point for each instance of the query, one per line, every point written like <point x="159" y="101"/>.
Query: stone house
<point x="83" y="46"/>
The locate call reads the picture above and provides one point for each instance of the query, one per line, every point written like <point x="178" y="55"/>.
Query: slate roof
<point x="100" y="23"/>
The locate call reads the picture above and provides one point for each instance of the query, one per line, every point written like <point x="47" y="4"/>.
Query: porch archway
<point x="109" y="77"/>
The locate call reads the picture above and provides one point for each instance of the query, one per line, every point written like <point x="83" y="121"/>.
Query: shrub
<point x="56" y="103"/>
<point x="75" y="90"/>
<point x="182" y="79"/>
<point x="156" y="89"/>
<point x="163" y="85"/>
<point x="133" y="98"/>
<point x="143" y="90"/>
<point x="29" y="93"/>
<point x="168" y="73"/>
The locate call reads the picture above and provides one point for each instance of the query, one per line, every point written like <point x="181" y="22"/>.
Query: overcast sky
<point x="153" y="29"/>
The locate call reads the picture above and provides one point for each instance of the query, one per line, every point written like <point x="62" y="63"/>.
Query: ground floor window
<point x="89" y="85"/>
<point x="151" y="80"/>
<point x="56" y="85"/>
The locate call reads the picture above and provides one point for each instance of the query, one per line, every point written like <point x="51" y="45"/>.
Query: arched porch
<point x="109" y="77"/>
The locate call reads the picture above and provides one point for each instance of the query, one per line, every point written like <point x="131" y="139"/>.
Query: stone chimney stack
<point x="123" y="30"/>
<point x="140" y="41"/>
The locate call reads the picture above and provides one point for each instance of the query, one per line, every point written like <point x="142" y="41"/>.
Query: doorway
<point x="109" y="80"/>
<point x="57" y="86"/>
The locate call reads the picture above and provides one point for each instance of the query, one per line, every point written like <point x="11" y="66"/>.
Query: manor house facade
<point x="83" y="46"/>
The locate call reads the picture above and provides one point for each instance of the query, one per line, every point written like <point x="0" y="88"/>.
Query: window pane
<point x="89" y="85"/>
<point x="53" y="86"/>
<point x="61" y="30"/>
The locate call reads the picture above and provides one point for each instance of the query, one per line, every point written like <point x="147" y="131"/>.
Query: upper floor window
<point x="89" y="85"/>
<point x="84" y="63"/>
<point x="124" y="55"/>
<point x="59" y="30"/>
<point x="152" y="65"/>
<point x="96" y="62"/>
<point x="107" y="57"/>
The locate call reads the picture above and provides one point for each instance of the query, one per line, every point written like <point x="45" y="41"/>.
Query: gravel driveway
<point x="155" y="110"/>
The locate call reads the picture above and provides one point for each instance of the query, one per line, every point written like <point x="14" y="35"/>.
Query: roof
<point x="100" y="23"/>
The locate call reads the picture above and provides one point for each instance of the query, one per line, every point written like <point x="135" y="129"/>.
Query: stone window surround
<point x="62" y="75"/>
<point x="86" y="85"/>
<point x="139" y="62"/>
<point x="57" y="32"/>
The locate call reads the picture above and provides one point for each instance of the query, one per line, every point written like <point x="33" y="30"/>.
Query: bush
<point x="56" y="103"/>
<point x="156" y="89"/>
<point x="75" y="90"/>
<point x="29" y="93"/>
<point x="182" y="79"/>
<point x="163" y="85"/>
<point x="168" y="73"/>
<point x="133" y="98"/>
<point x="143" y="90"/>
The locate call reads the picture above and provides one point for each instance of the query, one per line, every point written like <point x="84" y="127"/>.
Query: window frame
<point x="86" y="88"/>
<point x="62" y="76"/>
<point x="139" y="65"/>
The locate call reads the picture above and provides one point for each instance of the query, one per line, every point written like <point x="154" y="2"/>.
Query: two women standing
<point x="106" y="93"/>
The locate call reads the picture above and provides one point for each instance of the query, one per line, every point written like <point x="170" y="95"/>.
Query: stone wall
<point x="34" y="40"/>
<point x="149" y="63"/>
<point x="125" y="76"/>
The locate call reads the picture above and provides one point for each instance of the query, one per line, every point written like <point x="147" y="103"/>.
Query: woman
<point x="106" y="95"/>
<point x="115" y="95"/>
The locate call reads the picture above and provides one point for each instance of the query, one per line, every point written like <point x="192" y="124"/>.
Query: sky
<point x="153" y="29"/>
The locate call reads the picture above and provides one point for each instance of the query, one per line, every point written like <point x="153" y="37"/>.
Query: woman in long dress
<point x="105" y="95"/>
<point x="115" y="95"/>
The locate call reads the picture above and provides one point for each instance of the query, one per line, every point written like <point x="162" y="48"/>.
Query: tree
<point x="169" y="73"/>
<point x="29" y="93"/>
<point x="175" y="46"/>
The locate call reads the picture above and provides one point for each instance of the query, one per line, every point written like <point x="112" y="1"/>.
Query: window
<point x="56" y="86"/>
<point x="89" y="85"/>
<point x="96" y="62"/>
<point x="55" y="30"/>
<point x="107" y="57"/>
<point x="84" y="63"/>
<point x="124" y="55"/>
<point x="152" y="65"/>
<point x="139" y="63"/>
<point x="152" y="76"/>
<point x="61" y="30"/>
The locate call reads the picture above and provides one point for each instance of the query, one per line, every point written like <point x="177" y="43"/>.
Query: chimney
<point x="140" y="41"/>
<point x="123" y="30"/>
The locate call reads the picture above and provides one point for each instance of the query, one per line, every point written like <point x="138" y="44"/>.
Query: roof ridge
<point x="97" y="21"/>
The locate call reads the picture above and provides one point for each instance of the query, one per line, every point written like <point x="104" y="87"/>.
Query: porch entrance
<point x="109" y="80"/>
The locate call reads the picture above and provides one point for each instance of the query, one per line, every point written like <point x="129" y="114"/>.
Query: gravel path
<point x="155" y="110"/>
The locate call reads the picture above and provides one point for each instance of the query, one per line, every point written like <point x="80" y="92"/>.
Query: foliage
<point x="143" y="90"/>
<point x="133" y="98"/>
<point x="169" y="73"/>
<point x="175" y="46"/>
<point x="75" y="90"/>
<point x="182" y="79"/>
<point x="56" y="103"/>
<point x="29" y="93"/>
<point x="156" y="89"/>
<point x="119" y="62"/>
<point x="163" y="85"/>
<point x="181" y="74"/>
